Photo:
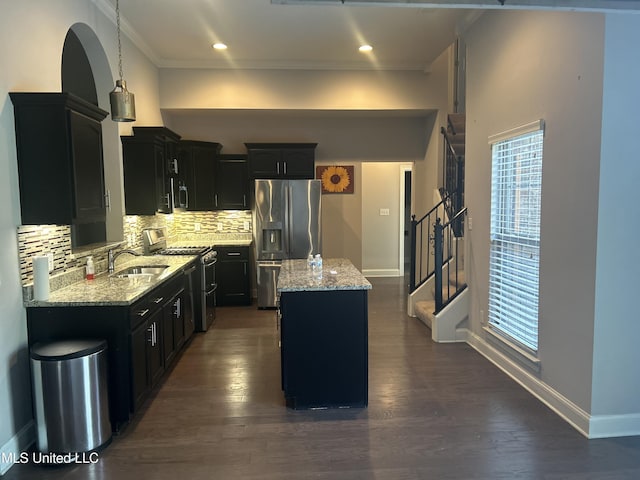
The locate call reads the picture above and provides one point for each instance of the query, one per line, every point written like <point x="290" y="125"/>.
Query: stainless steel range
<point x="204" y="283"/>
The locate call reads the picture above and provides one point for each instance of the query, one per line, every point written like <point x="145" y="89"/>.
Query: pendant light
<point x="123" y="107"/>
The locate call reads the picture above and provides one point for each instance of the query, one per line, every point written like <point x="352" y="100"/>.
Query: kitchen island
<point x="324" y="334"/>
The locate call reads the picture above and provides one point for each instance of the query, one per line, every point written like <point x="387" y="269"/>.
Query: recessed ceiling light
<point x="365" y="48"/>
<point x="219" y="46"/>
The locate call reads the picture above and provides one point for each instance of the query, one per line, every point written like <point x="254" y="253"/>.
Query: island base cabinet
<point x="324" y="348"/>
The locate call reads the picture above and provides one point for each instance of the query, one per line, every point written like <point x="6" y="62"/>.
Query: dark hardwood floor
<point x="436" y="411"/>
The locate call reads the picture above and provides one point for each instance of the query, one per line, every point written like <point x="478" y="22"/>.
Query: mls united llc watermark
<point x="40" y="458"/>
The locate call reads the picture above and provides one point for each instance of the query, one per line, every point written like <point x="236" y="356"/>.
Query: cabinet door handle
<point x="233" y="254"/>
<point x="152" y="330"/>
<point x="176" y="312"/>
<point x="284" y="164"/>
<point x="278" y="168"/>
<point x="216" y="199"/>
<point x="244" y="200"/>
<point x="158" y="300"/>
<point x="245" y="268"/>
<point x="142" y="313"/>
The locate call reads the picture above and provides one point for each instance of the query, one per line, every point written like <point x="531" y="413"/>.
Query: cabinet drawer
<point x="142" y="310"/>
<point x="232" y="253"/>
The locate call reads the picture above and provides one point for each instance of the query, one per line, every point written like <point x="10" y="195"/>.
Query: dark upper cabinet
<point x="60" y="161"/>
<point x="196" y="175"/>
<point x="150" y="168"/>
<point x="281" y="160"/>
<point x="232" y="182"/>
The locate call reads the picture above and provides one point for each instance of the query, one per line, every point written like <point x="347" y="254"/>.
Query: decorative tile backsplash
<point x="42" y="240"/>
<point x="219" y="223"/>
<point x="36" y="240"/>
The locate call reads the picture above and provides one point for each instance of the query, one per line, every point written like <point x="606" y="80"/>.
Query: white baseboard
<point x="565" y="408"/>
<point x="17" y="444"/>
<point x="605" y="426"/>
<point x="389" y="272"/>
<point x="591" y="426"/>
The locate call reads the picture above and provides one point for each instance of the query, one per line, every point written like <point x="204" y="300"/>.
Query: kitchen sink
<point x="141" y="271"/>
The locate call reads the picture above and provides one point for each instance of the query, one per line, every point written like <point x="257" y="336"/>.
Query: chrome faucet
<point x="111" y="257"/>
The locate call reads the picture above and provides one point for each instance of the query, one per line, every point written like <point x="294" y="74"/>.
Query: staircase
<point x="439" y="297"/>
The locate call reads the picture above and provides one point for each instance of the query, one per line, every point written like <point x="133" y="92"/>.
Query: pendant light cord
<point x="119" y="42"/>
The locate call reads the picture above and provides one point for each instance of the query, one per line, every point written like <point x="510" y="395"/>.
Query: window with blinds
<point x="516" y="188"/>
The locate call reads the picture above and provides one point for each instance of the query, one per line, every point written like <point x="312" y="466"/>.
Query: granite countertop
<point x="106" y="290"/>
<point x="245" y="242"/>
<point x="337" y="274"/>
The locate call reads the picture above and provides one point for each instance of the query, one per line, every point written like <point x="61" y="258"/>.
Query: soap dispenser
<point x="90" y="268"/>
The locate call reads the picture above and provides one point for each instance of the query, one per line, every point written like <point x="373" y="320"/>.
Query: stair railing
<point x="450" y="269"/>
<point x="422" y="263"/>
<point x="453" y="179"/>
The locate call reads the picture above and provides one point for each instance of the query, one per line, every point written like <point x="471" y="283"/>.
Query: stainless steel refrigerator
<point x="287" y="224"/>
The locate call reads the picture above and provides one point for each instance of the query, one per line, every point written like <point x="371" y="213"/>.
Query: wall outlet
<point x="219" y="226"/>
<point x="197" y="227"/>
<point x="246" y="225"/>
<point x="50" y="255"/>
<point x="470" y="223"/>
<point x="384" y="212"/>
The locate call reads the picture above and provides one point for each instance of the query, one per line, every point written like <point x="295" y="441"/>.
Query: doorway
<point x="405" y="218"/>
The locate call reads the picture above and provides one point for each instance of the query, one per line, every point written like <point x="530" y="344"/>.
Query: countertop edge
<point x="179" y="262"/>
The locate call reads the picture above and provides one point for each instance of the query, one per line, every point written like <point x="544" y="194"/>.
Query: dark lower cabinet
<point x="146" y="358"/>
<point x="232" y="274"/>
<point x="172" y="326"/>
<point x="143" y="340"/>
<point x="324" y="348"/>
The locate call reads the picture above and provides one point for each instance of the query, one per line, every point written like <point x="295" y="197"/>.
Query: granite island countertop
<point x="337" y="274"/>
<point x="108" y="290"/>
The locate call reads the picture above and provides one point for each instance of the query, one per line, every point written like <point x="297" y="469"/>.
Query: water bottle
<point x="310" y="262"/>
<point x="318" y="262"/>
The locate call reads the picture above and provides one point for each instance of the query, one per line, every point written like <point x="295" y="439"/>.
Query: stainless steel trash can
<point x="70" y="398"/>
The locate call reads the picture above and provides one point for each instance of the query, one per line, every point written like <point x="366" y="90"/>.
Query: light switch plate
<point x="246" y="225"/>
<point x="197" y="227"/>
<point x="50" y="255"/>
<point x="384" y="211"/>
<point x="219" y="226"/>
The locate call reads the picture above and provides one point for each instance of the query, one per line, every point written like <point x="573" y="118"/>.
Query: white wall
<point x="354" y="116"/>
<point x="524" y="66"/>
<point x="297" y="90"/>
<point x="381" y="184"/>
<point x="31" y="40"/>
<point x="616" y="377"/>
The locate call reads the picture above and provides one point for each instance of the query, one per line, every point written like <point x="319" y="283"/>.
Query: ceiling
<point x="260" y="34"/>
<point x="309" y="34"/>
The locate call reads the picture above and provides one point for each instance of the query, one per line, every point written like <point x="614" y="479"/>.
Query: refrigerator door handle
<point x="290" y="219"/>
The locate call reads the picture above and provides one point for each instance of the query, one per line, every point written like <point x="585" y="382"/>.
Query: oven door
<point x="209" y="292"/>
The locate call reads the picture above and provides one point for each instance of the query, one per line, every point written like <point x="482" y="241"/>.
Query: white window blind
<point x="516" y="188"/>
